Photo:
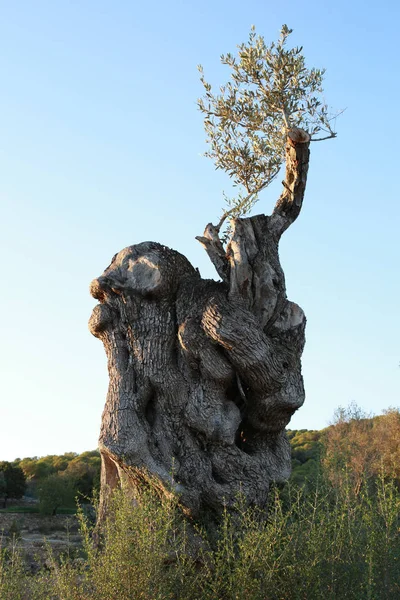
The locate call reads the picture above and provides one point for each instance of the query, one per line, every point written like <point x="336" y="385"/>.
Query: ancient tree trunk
<point x="204" y="375"/>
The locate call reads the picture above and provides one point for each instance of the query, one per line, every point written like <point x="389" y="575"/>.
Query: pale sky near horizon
<point x="101" y="147"/>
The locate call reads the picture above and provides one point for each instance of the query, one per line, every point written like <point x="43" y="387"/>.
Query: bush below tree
<point x="330" y="533"/>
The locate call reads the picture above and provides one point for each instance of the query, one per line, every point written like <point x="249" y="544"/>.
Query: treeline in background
<point x="50" y="484"/>
<point x="332" y="532"/>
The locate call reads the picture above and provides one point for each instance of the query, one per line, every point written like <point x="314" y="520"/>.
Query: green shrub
<point x="13" y="582"/>
<point x="320" y="543"/>
<point x="15" y="529"/>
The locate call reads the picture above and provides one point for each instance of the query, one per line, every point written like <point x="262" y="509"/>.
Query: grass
<point x="20" y="509"/>
<point x="35" y="510"/>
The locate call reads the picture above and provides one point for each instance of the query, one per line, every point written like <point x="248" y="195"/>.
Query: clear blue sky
<point x="101" y="148"/>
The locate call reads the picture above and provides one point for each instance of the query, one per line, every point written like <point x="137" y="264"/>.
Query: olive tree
<point x="270" y="94"/>
<point x="205" y="375"/>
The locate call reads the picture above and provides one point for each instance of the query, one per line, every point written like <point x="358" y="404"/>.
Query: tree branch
<point x="215" y="250"/>
<point x="327" y="137"/>
<point x="286" y="210"/>
<point x="288" y="207"/>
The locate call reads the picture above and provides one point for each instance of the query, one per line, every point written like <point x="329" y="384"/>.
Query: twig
<point x="327" y="137"/>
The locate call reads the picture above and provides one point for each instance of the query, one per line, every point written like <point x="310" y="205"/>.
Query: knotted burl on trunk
<point x="204" y="375"/>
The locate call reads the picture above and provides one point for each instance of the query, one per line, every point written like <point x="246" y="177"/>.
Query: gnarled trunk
<point x="204" y="375"/>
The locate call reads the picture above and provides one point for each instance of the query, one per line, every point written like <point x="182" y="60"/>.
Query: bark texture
<point x="204" y="375"/>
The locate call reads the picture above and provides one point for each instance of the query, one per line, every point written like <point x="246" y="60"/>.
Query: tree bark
<point x="204" y="375"/>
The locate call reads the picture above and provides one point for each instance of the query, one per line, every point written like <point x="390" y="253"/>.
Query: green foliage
<point x="12" y="482"/>
<point x="3" y="484"/>
<point x="306" y="450"/>
<point x="142" y="555"/>
<point x="306" y="473"/>
<point x="20" y="509"/>
<point x="82" y="470"/>
<point x="271" y="91"/>
<point x="14" y="585"/>
<point x="305" y="444"/>
<point x="15" y="529"/>
<point x="38" y="468"/>
<point x="320" y="544"/>
<point x="55" y="491"/>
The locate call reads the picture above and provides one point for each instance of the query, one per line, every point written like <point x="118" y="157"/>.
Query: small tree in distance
<point x="3" y="485"/>
<point x="12" y="482"/>
<point x="54" y="492"/>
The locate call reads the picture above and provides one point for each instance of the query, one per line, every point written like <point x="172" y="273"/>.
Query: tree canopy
<point x="55" y="491"/>
<point x="271" y="92"/>
<point x="12" y="481"/>
<point x="80" y="473"/>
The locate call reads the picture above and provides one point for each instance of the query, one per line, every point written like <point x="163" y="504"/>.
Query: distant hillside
<point x="356" y="446"/>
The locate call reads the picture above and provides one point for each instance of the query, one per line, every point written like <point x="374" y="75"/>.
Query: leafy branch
<point x="270" y="93"/>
